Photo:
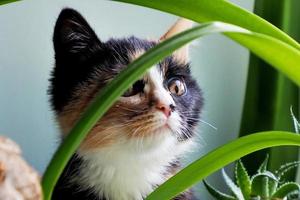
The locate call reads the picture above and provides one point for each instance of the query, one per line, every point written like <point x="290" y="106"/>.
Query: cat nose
<point x="166" y="109"/>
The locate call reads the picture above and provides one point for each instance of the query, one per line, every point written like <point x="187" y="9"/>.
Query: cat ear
<point x="181" y="25"/>
<point x="73" y="36"/>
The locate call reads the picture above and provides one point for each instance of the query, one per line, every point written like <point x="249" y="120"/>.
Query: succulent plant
<point x="264" y="185"/>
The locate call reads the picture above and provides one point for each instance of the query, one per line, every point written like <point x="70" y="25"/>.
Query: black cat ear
<point x="73" y="36"/>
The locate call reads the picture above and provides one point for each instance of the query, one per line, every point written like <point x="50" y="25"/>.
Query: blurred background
<point x="27" y="59"/>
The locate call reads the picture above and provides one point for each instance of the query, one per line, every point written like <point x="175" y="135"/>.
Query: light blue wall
<point x="26" y="58"/>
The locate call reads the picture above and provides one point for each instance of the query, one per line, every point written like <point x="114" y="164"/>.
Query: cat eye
<point x="136" y="88"/>
<point x="177" y="86"/>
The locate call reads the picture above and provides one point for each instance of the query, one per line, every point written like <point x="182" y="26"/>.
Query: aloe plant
<point x="264" y="185"/>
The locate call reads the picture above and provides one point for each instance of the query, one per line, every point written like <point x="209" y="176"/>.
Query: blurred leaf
<point x="286" y="189"/>
<point x="2" y="2"/>
<point x="243" y="179"/>
<point x="216" y="193"/>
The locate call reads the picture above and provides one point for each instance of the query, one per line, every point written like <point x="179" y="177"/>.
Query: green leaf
<point x="296" y="122"/>
<point x="2" y="2"/>
<point x="111" y="93"/>
<point x="243" y="179"/>
<point x="219" y="158"/>
<point x="286" y="189"/>
<point x="234" y="189"/>
<point x="285" y="168"/>
<point x="264" y="184"/>
<point x="216" y="193"/>
<point x="217" y="10"/>
<point x="263" y="167"/>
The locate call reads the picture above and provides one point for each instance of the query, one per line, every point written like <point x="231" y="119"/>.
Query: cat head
<point x="163" y="105"/>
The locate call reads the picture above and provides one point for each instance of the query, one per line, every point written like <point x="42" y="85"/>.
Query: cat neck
<point x="121" y="172"/>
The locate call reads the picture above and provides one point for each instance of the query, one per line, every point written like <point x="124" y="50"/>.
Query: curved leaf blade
<point x="217" y="10"/>
<point x="243" y="179"/>
<point x="2" y="2"/>
<point x="219" y="158"/>
<point x="216" y="193"/>
<point x="286" y="189"/>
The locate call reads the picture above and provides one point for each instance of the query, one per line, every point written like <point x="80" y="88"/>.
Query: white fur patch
<point x="128" y="171"/>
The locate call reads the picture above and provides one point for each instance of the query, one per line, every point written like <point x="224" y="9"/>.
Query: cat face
<point x="164" y="103"/>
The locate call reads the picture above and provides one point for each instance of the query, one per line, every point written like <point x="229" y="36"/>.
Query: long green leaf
<point x="113" y="90"/>
<point x="216" y="10"/>
<point x="220" y="157"/>
<point x="2" y="2"/>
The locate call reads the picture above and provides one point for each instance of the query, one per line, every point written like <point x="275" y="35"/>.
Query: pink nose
<point x="164" y="108"/>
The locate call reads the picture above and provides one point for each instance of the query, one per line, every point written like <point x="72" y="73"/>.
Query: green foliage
<point x="263" y="185"/>
<point x="2" y="2"/>
<point x="295" y="121"/>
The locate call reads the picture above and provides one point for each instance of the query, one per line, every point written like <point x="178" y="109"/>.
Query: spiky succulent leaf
<point x="296" y="122"/>
<point x="263" y="167"/>
<point x="286" y="189"/>
<point x="236" y="191"/>
<point x="264" y="184"/>
<point x="243" y="179"/>
<point x="285" y="168"/>
<point x="216" y="193"/>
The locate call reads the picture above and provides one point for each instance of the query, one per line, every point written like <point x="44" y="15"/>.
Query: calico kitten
<point x="136" y="146"/>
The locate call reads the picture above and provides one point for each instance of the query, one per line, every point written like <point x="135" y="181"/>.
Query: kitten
<point x="136" y="146"/>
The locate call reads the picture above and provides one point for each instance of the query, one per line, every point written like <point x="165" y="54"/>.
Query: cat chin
<point x="131" y="169"/>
